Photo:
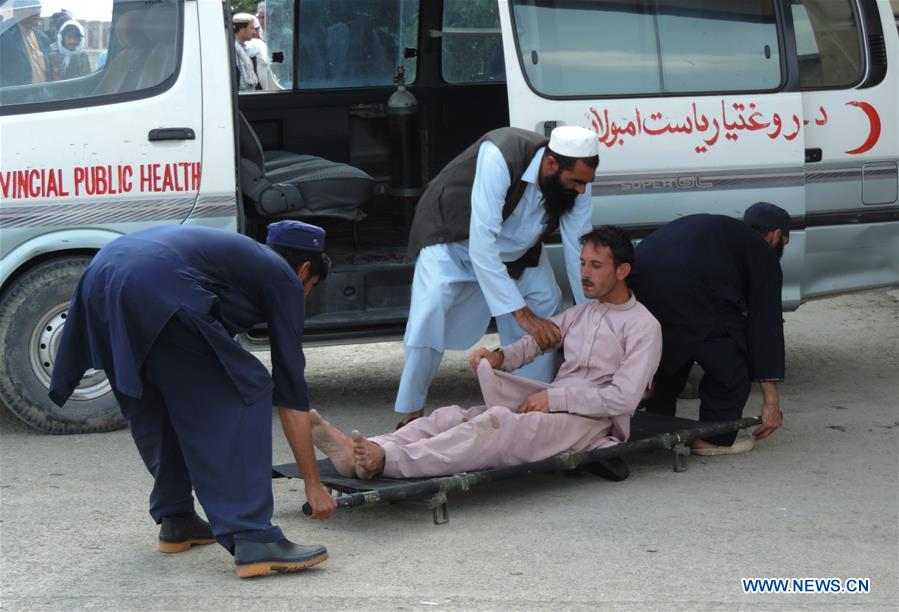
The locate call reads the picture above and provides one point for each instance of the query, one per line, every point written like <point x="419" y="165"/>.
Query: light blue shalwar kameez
<point x="458" y="286"/>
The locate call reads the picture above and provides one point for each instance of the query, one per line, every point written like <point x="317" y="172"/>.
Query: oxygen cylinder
<point x="405" y="149"/>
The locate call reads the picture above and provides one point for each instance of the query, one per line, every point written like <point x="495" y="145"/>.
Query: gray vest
<point x="443" y="214"/>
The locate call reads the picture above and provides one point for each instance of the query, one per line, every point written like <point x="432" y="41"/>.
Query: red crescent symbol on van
<point x="874" y="134"/>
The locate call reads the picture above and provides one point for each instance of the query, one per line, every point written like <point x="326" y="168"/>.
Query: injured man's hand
<point x="539" y="402"/>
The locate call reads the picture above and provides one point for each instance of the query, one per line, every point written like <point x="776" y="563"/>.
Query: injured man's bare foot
<point x="368" y="455"/>
<point x="334" y="443"/>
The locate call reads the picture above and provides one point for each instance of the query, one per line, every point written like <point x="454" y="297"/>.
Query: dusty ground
<point x="818" y="499"/>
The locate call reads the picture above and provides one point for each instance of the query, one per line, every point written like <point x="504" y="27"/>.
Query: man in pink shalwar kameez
<point x="611" y="346"/>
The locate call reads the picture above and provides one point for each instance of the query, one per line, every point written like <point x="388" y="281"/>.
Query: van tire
<point x="32" y="312"/>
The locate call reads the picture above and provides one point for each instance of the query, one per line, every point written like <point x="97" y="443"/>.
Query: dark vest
<point x="443" y="213"/>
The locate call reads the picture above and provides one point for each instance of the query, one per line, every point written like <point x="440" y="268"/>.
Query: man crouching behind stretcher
<point x="611" y="346"/>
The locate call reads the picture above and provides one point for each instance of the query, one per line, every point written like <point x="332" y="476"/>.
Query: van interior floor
<point x="373" y="239"/>
<point x="372" y="235"/>
<point x="649" y="432"/>
<point x="367" y="291"/>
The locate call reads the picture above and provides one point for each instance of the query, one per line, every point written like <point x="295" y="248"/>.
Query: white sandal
<point x="740" y="446"/>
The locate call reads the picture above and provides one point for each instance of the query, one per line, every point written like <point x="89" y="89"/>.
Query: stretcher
<point x="649" y="432"/>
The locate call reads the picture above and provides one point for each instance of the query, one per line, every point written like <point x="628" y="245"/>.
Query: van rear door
<point x="696" y="104"/>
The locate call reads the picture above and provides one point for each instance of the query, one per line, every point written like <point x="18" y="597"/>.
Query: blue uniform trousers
<point x="723" y="389"/>
<point x="194" y="431"/>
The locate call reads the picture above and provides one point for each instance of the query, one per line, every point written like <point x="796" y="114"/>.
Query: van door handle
<point x="171" y="134"/>
<point x="812" y="156"/>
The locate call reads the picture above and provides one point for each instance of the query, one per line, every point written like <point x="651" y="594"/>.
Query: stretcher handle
<point x="344" y="501"/>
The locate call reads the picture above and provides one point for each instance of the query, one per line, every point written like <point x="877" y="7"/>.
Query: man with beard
<point x="478" y="234"/>
<point x="714" y="283"/>
<point x="611" y="345"/>
<point x="244" y="29"/>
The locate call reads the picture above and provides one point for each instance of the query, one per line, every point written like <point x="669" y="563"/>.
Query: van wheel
<point x="32" y="314"/>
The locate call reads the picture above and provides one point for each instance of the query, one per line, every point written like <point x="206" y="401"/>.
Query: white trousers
<point x="448" y="311"/>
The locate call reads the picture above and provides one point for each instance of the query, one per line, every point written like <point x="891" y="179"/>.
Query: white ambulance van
<point x="699" y="106"/>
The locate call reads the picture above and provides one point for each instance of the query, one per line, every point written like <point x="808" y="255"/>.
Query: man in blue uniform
<point x="714" y="283"/>
<point x="478" y="235"/>
<point x="157" y="311"/>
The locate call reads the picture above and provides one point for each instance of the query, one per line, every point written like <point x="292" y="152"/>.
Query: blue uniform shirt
<point x="225" y="283"/>
<point x="706" y="276"/>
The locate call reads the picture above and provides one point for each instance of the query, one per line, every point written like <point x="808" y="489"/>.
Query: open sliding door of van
<point x="696" y="104"/>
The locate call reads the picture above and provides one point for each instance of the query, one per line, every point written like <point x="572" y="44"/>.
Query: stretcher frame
<point x="649" y="432"/>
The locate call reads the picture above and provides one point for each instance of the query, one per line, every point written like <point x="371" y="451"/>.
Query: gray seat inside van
<point x="126" y="57"/>
<point x="283" y="184"/>
<point x="143" y="52"/>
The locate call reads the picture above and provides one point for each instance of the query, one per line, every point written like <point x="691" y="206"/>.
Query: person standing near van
<point x="244" y="30"/>
<point x="25" y="51"/>
<point x="157" y="311"/>
<point x="478" y="234"/>
<point x="714" y="283"/>
<point x="67" y="56"/>
<point x="260" y="16"/>
<point x="257" y="50"/>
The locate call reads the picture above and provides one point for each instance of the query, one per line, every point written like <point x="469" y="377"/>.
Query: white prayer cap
<point x="574" y="141"/>
<point x="243" y="18"/>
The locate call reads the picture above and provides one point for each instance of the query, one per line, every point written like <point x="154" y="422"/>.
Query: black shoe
<point x="261" y="558"/>
<point x="612" y="468"/>
<point x="403" y="422"/>
<point x="181" y="531"/>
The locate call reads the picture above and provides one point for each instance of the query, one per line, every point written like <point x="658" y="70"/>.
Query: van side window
<point x="355" y="43"/>
<point x="472" y="46"/>
<point x="828" y="44"/>
<point x="572" y="48"/>
<point x="92" y="52"/>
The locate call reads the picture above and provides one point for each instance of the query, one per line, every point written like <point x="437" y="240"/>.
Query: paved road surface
<point x="818" y="499"/>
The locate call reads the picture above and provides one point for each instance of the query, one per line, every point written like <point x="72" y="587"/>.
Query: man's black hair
<point x="764" y="231"/>
<point x="321" y="263"/>
<point x="240" y="26"/>
<point x="614" y="237"/>
<point x="567" y="163"/>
